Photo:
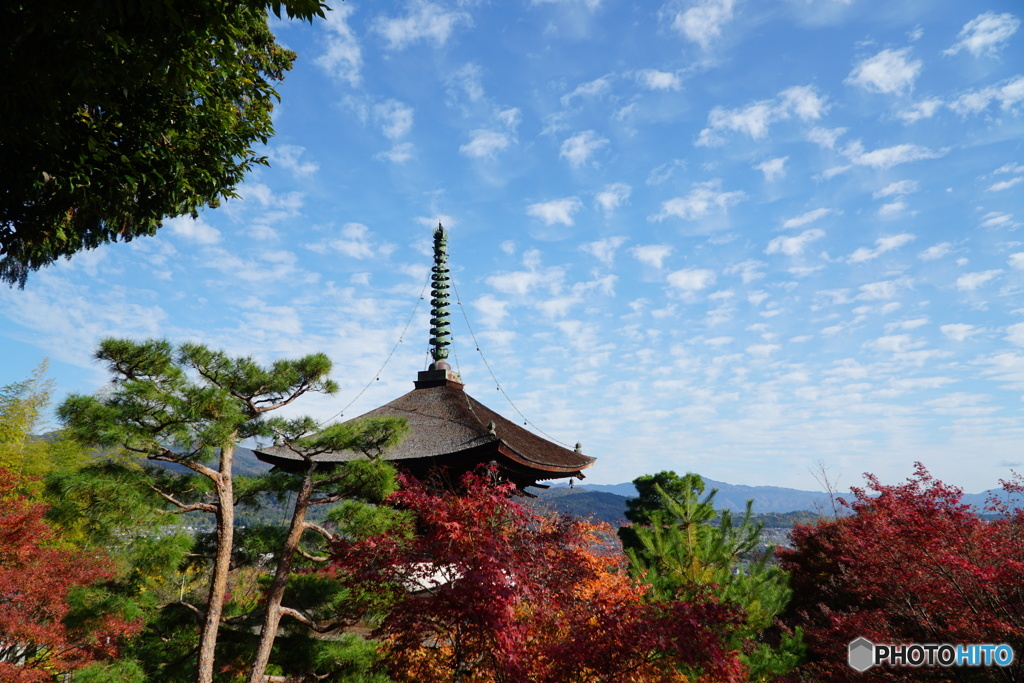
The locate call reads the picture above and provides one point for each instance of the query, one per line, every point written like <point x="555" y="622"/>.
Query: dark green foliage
<point x="119" y="113"/>
<point x="675" y="546"/>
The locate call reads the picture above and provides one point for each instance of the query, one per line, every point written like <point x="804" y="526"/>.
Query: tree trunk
<point x="221" y="565"/>
<point x="275" y="594"/>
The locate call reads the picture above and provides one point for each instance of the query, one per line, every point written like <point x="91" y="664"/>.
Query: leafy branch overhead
<point x="118" y="114"/>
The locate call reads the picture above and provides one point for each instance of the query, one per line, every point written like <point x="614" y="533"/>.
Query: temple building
<point x="449" y="430"/>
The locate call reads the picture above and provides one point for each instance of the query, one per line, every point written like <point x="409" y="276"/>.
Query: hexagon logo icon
<point x="861" y="654"/>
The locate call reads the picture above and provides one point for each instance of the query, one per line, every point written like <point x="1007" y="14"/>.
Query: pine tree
<point x="684" y="549"/>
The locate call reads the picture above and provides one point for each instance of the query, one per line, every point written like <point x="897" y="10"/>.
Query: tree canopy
<point x="120" y="113"/>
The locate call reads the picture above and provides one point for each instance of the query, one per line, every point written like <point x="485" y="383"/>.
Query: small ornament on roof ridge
<point x="579" y="447"/>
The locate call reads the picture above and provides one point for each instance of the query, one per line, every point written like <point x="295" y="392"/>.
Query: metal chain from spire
<point x="440" y="322"/>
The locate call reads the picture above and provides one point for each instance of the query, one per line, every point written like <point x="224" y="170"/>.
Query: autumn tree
<point x="117" y="115"/>
<point x="909" y="563"/>
<point x="189" y="407"/>
<point x="50" y="620"/>
<point x="682" y="547"/>
<point x="486" y="591"/>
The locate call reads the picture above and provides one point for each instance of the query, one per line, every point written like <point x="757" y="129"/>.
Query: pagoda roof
<point x="445" y="425"/>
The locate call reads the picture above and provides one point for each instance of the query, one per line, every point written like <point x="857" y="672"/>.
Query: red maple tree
<point x="40" y="634"/>
<point x="489" y="591"/>
<point x="911" y="564"/>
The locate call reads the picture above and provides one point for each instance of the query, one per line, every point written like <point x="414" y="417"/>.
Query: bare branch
<point x="319" y="529"/>
<point x="313" y="558"/>
<point x="185" y="507"/>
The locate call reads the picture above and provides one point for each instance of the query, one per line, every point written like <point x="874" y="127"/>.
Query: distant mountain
<point x="766" y="499"/>
<point x="734" y="496"/>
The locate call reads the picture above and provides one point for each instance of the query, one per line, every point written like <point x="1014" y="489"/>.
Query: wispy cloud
<point x="802" y="101"/>
<point x="653" y="255"/>
<point x="691" y="279"/>
<point x="969" y="282"/>
<point x="484" y="144"/>
<point x="425" y="22"/>
<point x="652" y="79"/>
<point x="343" y="58"/>
<point x="193" y="230"/>
<point x="556" y="210"/>
<point x="889" y="72"/>
<point x="808" y="217"/>
<point x="887" y="157"/>
<point x="578" y="149"/>
<point x="704" y="199"/>
<point x="985" y="34"/>
<point x="703" y="22"/>
<point x="794" y="246"/>
<point x="882" y="245"/>
<point x="604" y="249"/>
<point x="773" y="169"/>
<point x="612" y="197"/>
<point x="1008" y="95"/>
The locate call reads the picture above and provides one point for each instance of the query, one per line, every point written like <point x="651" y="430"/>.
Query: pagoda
<point x="450" y="432"/>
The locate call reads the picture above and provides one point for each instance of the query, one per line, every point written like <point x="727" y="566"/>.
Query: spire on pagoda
<point x="440" y="323"/>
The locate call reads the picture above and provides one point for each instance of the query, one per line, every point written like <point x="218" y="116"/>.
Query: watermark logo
<point x="862" y="654"/>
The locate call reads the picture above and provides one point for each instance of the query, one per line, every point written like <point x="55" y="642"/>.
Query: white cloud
<point x="492" y="311"/>
<point x="1015" y="334"/>
<point x="354" y="243"/>
<point x="977" y="101"/>
<point x="894" y="343"/>
<point x="521" y="282"/>
<point x="653" y="255"/>
<point x="936" y="251"/>
<point x="578" y="149"/>
<point x="702" y="200"/>
<point x="888" y="72"/>
<point x="287" y="156"/>
<point x="888" y="157"/>
<point x="1010" y="168"/>
<point x="691" y="279"/>
<point x="794" y="246"/>
<point x="969" y="282"/>
<point x="896" y="189"/>
<point x="343" y="58"/>
<point x="925" y="109"/>
<point x="556" y="210"/>
<point x="773" y="169"/>
<point x="749" y="271"/>
<point x="985" y="34"/>
<point x="399" y="154"/>
<point x="594" y="88"/>
<point x="882" y="245"/>
<point x="653" y="79"/>
<point x="825" y="137"/>
<point x="997" y="219"/>
<point x="802" y="101"/>
<point x="1005" y="184"/>
<point x="484" y="144"/>
<point x="882" y="290"/>
<point x="1017" y="260"/>
<point x="198" y="230"/>
<point x="613" y="196"/>
<point x="958" y="331"/>
<point x="604" y="249"/>
<point x="703" y="22"/>
<point x="426" y="21"/>
<point x="510" y="117"/>
<point x="809" y="217"/>
<point x="395" y="118"/>
<point x="468" y="80"/>
<point x="892" y="209"/>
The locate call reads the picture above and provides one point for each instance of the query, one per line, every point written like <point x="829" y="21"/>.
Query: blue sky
<point x="723" y="236"/>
